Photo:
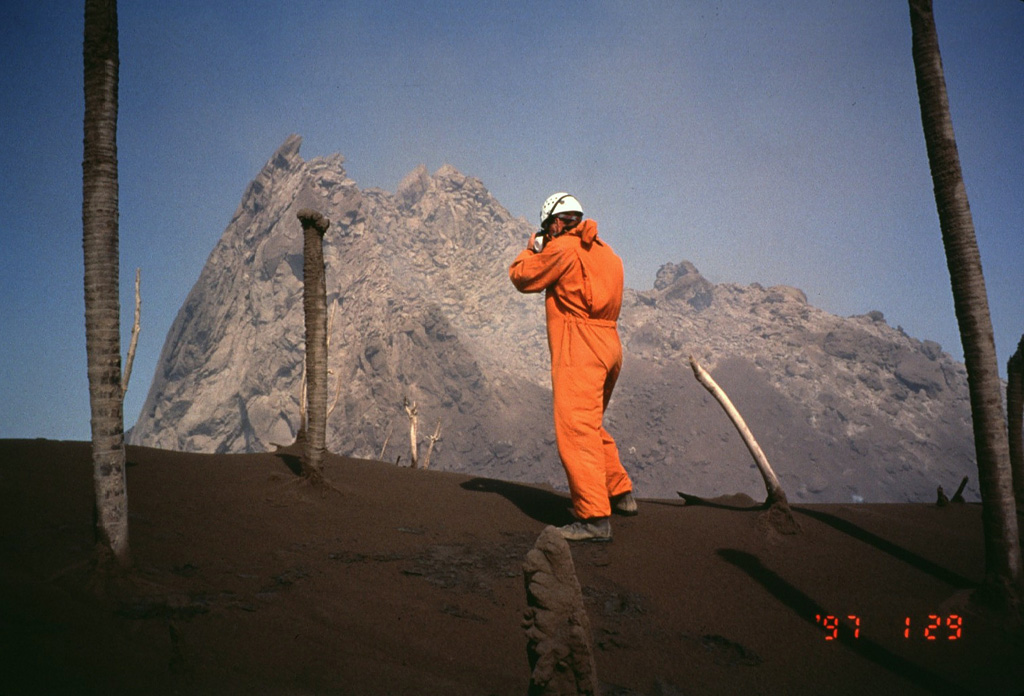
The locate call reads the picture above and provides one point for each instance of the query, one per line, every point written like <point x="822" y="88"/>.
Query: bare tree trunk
<point x="136" y="325"/>
<point x="300" y="436"/>
<point x="1004" y="576"/>
<point x="385" y="445"/>
<point x="780" y="516"/>
<point x="102" y="281"/>
<point x="1015" y="419"/>
<point x="314" y="302"/>
<point x="410" y="408"/>
<point x="337" y="379"/>
<point x="433" y="440"/>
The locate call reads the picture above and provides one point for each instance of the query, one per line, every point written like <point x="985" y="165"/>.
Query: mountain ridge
<point x="846" y="409"/>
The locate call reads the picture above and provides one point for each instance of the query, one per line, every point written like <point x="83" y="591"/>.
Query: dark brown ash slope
<point x="410" y="582"/>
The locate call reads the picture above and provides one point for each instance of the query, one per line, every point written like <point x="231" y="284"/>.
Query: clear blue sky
<point x="776" y="142"/>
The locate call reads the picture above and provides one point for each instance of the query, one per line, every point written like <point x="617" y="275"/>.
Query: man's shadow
<point x="545" y="506"/>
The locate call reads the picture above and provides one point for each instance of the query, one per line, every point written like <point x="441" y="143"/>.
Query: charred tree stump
<point x="778" y="513"/>
<point x="314" y="303"/>
<point x="942" y="500"/>
<point x="958" y="497"/>
<point x="556" y="623"/>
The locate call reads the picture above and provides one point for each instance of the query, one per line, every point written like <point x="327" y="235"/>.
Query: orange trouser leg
<point x="616" y="479"/>
<point x="588" y="452"/>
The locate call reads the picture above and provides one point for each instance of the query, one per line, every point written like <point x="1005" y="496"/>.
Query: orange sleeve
<point x="535" y="272"/>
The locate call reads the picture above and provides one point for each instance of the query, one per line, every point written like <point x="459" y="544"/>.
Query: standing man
<point x="582" y="280"/>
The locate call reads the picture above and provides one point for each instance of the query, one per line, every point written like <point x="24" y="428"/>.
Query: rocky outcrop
<point x="844" y="408"/>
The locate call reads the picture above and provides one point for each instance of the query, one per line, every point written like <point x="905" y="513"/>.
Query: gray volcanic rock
<point x="844" y="408"/>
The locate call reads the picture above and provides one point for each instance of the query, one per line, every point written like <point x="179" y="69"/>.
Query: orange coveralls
<point x="582" y="277"/>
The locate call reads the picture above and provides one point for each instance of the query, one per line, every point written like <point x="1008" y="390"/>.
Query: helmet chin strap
<point x="564" y="230"/>
<point x="555" y="205"/>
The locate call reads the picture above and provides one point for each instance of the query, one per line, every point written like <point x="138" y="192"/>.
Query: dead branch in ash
<point x="410" y="408"/>
<point x="135" y="334"/>
<point x="779" y="514"/>
<point x="387" y="438"/>
<point x="958" y="497"/>
<point x="337" y="383"/>
<point x="433" y="439"/>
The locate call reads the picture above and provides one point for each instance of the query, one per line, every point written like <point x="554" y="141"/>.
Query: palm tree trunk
<point x="314" y="303"/>
<point x="1003" y="570"/>
<point x="1015" y="417"/>
<point x="102" y="303"/>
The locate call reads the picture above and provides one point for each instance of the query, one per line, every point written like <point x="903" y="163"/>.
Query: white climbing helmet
<point x="560" y="202"/>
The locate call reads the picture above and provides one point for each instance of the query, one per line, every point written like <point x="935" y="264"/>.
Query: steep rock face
<point x="420" y="284"/>
<point x="845" y="408"/>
